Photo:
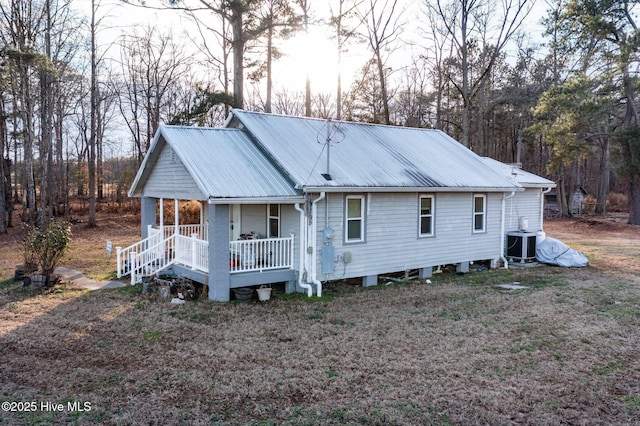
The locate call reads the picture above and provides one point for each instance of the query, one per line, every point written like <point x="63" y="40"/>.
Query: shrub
<point x="30" y="262"/>
<point x="617" y="202"/>
<point x="49" y="243"/>
<point x="590" y="204"/>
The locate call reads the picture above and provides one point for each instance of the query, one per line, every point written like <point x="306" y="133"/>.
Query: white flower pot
<point x="264" y="294"/>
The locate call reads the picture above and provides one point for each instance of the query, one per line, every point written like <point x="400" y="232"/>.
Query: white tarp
<point x="556" y="252"/>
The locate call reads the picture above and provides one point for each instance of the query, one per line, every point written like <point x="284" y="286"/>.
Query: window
<point x="273" y="220"/>
<point x="479" y="213"/>
<point x="354" y="226"/>
<point x="426" y="215"/>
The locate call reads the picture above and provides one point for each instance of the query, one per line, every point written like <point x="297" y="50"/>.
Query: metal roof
<point x="371" y="157"/>
<point x="224" y="163"/>
<point x="523" y="177"/>
<point x="278" y="157"/>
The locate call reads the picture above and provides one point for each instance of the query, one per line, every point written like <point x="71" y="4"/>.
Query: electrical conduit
<point x="502" y="235"/>
<point x="314" y="239"/>
<point x="303" y="247"/>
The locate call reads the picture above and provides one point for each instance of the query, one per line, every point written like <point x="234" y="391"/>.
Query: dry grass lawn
<point x="458" y="351"/>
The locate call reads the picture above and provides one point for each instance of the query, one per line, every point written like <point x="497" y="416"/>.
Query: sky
<point x="313" y="54"/>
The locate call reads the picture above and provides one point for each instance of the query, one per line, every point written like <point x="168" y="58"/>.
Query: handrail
<point x="123" y="254"/>
<point x="157" y="257"/>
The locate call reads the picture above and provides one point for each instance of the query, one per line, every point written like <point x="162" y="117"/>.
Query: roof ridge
<point x="360" y="123"/>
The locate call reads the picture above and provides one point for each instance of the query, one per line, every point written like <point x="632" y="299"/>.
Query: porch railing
<point x="186" y="230"/>
<point x="192" y="252"/>
<point x="261" y="254"/>
<point x="155" y="253"/>
<point x="150" y="245"/>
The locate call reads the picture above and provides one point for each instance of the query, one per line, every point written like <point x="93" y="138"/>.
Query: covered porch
<point x="207" y="252"/>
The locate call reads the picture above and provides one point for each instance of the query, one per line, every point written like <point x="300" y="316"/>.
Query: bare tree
<point x="24" y="25"/>
<point x="365" y="101"/>
<point x="412" y="107"/>
<point x="93" y="124"/>
<point x="277" y="20"/>
<point x="346" y="22"/>
<point x="383" y="29"/>
<point x="480" y="25"/>
<point x="152" y="63"/>
<point x="5" y="163"/>
<point x="239" y="14"/>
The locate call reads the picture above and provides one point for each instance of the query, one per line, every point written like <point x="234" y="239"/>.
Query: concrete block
<point x="369" y="280"/>
<point x="462" y="267"/>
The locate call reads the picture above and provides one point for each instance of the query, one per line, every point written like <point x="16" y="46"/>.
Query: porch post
<point x="176" y="216"/>
<point x="218" y="231"/>
<point x="147" y="214"/>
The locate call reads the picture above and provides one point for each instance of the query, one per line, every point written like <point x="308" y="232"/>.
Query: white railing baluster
<point x="132" y="261"/>
<point x="194" y="249"/>
<point x="160" y="250"/>
<point x="261" y="254"/>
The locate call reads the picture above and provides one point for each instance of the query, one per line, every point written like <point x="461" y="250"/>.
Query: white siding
<point x="290" y="224"/>
<point x="254" y="219"/>
<point x="289" y="220"/>
<point x="392" y="242"/>
<point x="170" y="179"/>
<point x="523" y="204"/>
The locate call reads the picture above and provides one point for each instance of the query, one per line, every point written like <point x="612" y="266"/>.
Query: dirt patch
<point x="614" y="224"/>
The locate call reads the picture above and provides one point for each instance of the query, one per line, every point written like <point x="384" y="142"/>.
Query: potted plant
<point x="243" y="294"/>
<point x="264" y="293"/>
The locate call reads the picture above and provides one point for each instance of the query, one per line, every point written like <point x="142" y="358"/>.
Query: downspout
<point x="542" y="206"/>
<point x="502" y="237"/>
<point x="314" y="239"/>
<point x="540" y="235"/>
<point x="303" y="247"/>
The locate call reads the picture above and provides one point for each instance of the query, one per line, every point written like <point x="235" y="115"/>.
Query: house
<point x="305" y="201"/>
<point x="524" y="211"/>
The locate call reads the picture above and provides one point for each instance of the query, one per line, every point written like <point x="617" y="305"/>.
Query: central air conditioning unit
<point x="521" y="247"/>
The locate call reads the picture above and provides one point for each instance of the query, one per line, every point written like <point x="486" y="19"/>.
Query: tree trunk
<point x="561" y="197"/>
<point x="29" y="206"/>
<point x="237" y="45"/>
<point x="631" y="148"/>
<point x="466" y="101"/>
<point x="603" y="189"/>
<point x="92" y="128"/>
<point x="5" y="192"/>
<point x="267" y="105"/>
<point x="383" y="88"/>
<point x="634" y="201"/>
<point x="46" y="120"/>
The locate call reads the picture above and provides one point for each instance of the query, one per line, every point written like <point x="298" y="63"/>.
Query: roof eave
<point x="142" y="173"/>
<point x="315" y="189"/>
<point x="539" y="185"/>
<point x="289" y="199"/>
